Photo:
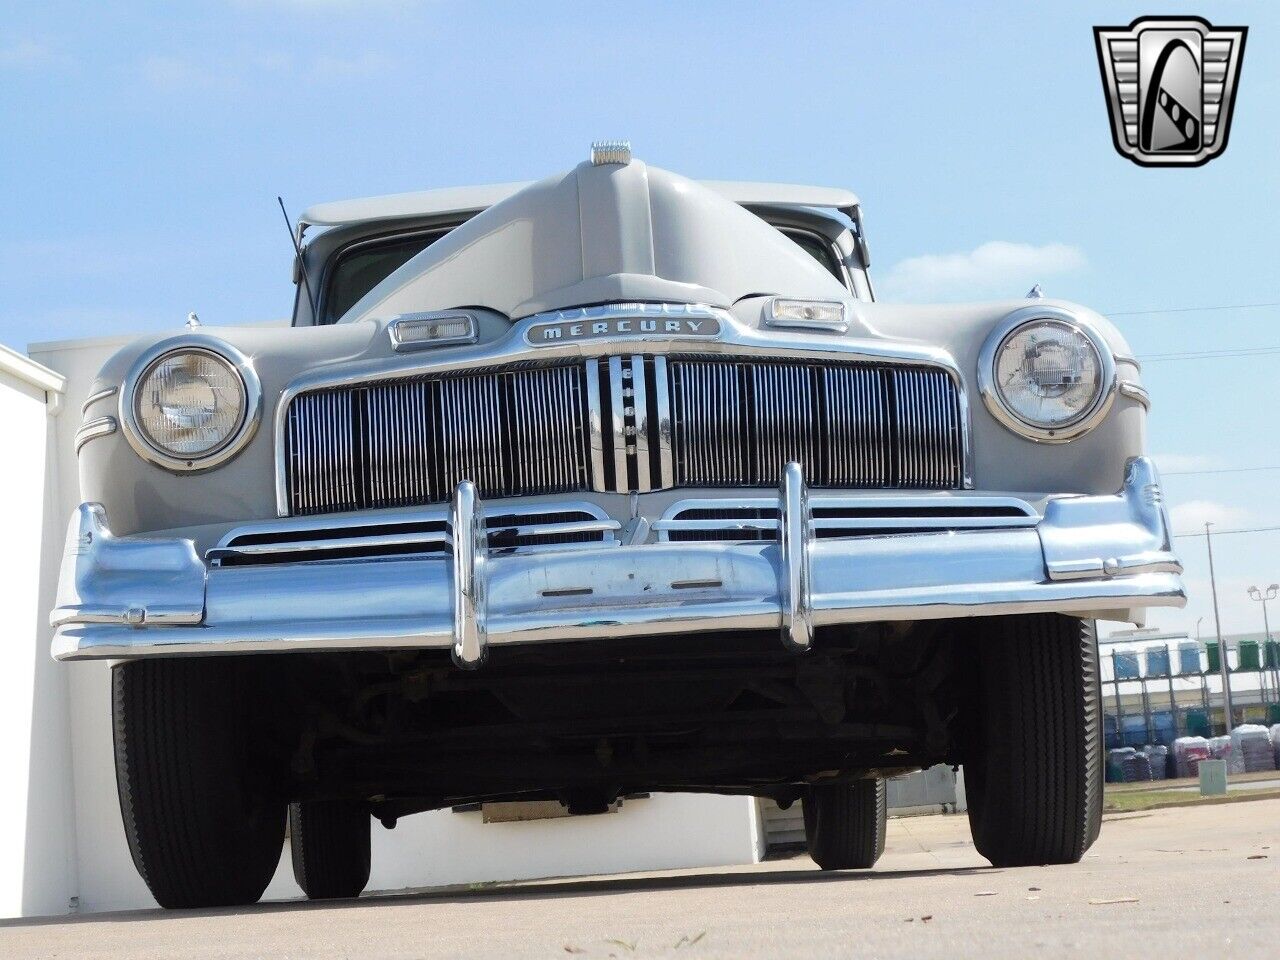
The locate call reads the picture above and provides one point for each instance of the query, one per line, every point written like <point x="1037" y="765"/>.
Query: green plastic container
<point x="1273" y="654"/>
<point x="1211" y="648"/>
<point x="1274" y="711"/>
<point x="1248" y="656"/>
<point x="1198" y="723"/>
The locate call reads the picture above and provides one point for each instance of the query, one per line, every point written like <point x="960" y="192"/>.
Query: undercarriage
<point x="587" y="723"/>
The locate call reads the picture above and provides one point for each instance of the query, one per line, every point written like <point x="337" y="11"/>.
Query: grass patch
<point x="1129" y="802"/>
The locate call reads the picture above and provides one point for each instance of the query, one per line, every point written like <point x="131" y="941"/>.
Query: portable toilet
<point x="1211" y="649"/>
<point x="1189" y="657"/>
<point x="1197" y="723"/>
<point x="1273" y="655"/>
<point x="1133" y="730"/>
<point x="1248" y="656"/>
<point x="1157" y="661"/>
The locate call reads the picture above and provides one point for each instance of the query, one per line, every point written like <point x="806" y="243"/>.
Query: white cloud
<point x="358" y="66"/>
<point x="1181" y="462"/>
<point x="1190" y="517"/>
<point x="181" y="74"/>
<point x="996" y="268"/>
<point x="243" y="70"/>
<point x="28" y="54"/>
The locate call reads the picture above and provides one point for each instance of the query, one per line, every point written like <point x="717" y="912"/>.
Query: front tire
<point x="844" y="824"/>
<point x="201" y="832"/>
<point x="329" y="841"/>
<point x="1034" y="770"/>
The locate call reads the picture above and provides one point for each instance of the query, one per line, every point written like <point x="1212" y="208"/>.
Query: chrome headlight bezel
<point x="1069" y="430"/>
<point x="148" y="449"/>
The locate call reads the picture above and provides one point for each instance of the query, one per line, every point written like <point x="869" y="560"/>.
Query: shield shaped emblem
<point x="1170" y="84"/>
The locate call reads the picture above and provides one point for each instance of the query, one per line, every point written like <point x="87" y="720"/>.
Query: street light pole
<point x="1256" y="594"/>
<point x="1223" y="669"/>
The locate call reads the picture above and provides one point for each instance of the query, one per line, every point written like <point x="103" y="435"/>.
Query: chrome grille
<point x="737" y="423"/>
<point x="621" y="424"/>
<point x="511" y="433"/>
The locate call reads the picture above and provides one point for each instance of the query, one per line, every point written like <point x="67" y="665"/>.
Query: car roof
<point x="469" y="200"/>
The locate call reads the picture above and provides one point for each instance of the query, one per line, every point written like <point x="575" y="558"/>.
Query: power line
<point x="1226" y="354"/>
<point x="1196" y="473"/>
<point x="1223" y="533"/>
<point x="1205" y="309"/>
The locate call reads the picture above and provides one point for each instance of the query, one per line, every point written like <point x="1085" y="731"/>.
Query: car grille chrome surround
<point x="622" y="424"/>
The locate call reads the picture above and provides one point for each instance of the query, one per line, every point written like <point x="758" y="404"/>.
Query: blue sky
<point x="144" y="145"/>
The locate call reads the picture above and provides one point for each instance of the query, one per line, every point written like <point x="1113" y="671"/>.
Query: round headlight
<point x="1047" y="377"/>
<point x="190" y="406"/>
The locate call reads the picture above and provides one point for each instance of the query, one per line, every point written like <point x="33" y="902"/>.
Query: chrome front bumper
<point x="1098" y="556"/>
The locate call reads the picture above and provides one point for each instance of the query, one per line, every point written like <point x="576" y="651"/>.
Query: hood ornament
<point x="1035" y="293"/>
<point x="610" y="151"/>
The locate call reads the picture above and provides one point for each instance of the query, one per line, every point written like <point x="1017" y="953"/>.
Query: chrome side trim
<point x="95" y="397"/>
<point x="195" y="342"/>
<point x="92" y="429"/>
<point x="794" y="577"/>
<point x="470" y="546"/>
<point x="994" y="401"/>
<point x="1135" y="391"/>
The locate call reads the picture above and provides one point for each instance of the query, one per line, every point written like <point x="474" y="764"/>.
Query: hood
<point x="600" y="234"/>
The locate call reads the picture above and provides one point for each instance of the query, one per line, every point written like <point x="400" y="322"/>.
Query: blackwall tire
<point x="329" y="841"/>
<point x="844" y="824"/>
<point x="200" y="832"/>
<point x="1034" y="769"/>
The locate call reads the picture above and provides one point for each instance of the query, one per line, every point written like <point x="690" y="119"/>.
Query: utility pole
<point x="1223" y="668"/>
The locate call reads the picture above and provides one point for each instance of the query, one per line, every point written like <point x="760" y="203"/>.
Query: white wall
<point x="37" y="843"/>
<point x="439" y="848"/>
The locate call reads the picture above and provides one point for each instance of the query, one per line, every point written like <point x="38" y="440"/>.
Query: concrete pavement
<point x="1182" y="882"/>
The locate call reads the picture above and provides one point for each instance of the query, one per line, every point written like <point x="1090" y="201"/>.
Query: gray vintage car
<point x="609" y="483"/>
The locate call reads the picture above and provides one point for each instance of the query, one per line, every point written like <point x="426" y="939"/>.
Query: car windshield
<point x="363" y="266"/>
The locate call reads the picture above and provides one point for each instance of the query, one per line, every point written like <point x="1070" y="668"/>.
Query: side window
<point x="820" y="249"/>
<point x="363" y="267"/>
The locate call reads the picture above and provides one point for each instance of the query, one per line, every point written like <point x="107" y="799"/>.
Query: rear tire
<point x="329" y="840"/>
<point x="1034" y="770"/>
<point x="201" y="832"/>
<point x="844" y="824"/>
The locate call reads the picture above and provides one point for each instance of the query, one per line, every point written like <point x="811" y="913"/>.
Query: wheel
<point x="844" y="824"/>
<point x="329" y="840"/>
<point x="1033" y="773"/>
<point x="201" y="833"/>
